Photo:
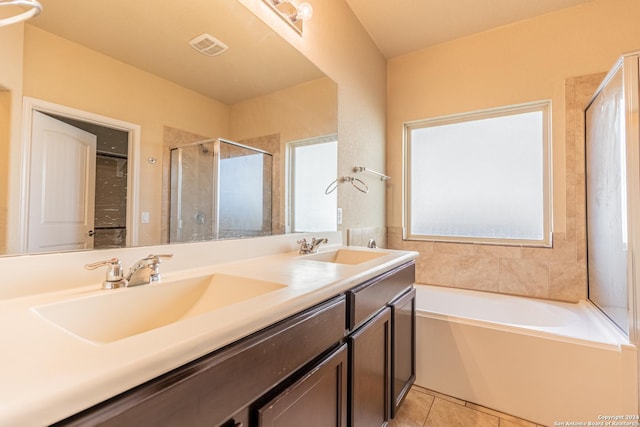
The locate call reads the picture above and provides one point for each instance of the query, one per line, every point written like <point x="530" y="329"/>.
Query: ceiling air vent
<point x="208" y="45"/>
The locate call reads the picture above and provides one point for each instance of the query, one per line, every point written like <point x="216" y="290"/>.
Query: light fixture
<point x="292" y="14"/>
<point x="34" y="9"/>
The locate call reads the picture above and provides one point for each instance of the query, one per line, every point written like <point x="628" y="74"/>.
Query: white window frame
<point x="545" y="107"/>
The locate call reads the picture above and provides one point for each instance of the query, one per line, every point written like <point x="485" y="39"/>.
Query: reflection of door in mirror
<point x="78" y="185"/>
<point x="61" y="195"/>
<point x="313" y="169"/>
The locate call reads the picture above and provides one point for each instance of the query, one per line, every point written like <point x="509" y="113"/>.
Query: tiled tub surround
<point x="557" y="273"/>
<point x="538" y="360"/>
<point x="49" y="374"/>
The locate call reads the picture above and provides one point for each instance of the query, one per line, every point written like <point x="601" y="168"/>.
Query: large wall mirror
<point x="115" y="98"/>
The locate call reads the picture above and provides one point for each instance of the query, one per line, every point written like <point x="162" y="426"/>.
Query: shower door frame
<point x="630" y="66"/>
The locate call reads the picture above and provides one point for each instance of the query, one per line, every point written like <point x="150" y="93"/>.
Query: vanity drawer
<point x="368" y="298"/>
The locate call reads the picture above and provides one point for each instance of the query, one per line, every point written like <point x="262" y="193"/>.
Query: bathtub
<point x="543" y="361"/>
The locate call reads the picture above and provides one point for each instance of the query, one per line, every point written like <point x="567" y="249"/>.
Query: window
<point x="480" y="177"/>
<point x="313" y="165"/>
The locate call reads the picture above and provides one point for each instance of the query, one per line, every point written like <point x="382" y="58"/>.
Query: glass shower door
<point x="191" y="206"/>
<point x="244" y="205"/>
<point x="606" y="183"/>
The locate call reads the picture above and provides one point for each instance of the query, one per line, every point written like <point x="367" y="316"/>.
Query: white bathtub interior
<point x="542" y="361"/>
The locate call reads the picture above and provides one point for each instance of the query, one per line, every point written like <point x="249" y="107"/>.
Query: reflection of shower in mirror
<point x="220" y="196"/>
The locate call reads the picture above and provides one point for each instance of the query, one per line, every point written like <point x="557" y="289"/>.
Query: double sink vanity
<point x="279" y="338"/>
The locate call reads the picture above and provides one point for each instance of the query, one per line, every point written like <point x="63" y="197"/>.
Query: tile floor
<point x="426" y="408"/>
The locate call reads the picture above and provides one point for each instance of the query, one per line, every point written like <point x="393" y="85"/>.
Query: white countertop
<point x="48" y="374"/>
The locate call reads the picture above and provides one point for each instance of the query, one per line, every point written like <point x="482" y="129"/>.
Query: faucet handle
<point x="115" y="276"/>
<point x="304" y="246"/>
<point x="157" y="258"/>
<point x="154" y="261"/>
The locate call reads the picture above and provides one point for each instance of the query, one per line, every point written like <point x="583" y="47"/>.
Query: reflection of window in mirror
<point x="5" y="118"/>
<point x="313" y="166"/>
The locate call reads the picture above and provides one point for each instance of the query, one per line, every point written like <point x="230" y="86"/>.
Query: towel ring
<point x="331" y="187"/>
<point x="34" y="5"/>
<point x="359" y="184"/>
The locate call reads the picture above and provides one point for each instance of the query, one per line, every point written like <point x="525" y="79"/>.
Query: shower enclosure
<point x="219" y="190"/>
<point x="613" y="195"/>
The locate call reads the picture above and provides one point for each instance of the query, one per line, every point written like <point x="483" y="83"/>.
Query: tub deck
<point x="581" y="321"/>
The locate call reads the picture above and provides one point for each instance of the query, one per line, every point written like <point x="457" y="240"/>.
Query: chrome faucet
<point x="146" y="271"/>
<point x="310" y="247"/>
<point x="143" y="272"/>
<point x="114" y="278"/>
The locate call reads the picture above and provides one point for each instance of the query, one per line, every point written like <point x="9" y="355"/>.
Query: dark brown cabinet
<point x="347" y="362"/>
<point x="381" y="345"/>
<point x="370" y="356"/>
<point x="318" y="399"/>
<point x="403" y="347"/>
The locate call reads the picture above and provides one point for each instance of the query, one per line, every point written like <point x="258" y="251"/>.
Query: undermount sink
<point x="346" y="256"/>
<point x="116" y="314"/>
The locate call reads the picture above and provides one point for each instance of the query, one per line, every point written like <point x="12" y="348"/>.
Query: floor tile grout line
<point x="426" y="418"/>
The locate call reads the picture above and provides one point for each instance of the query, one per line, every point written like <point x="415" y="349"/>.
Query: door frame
<point x="133" y="174"/>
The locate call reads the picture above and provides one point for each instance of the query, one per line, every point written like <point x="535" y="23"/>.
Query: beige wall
<point x="335" y="41"/>
<point x="11" y="40"/>
<point x="518" y="63"/>
<point x="69" y="74"/>
<point x="303" y="111"/>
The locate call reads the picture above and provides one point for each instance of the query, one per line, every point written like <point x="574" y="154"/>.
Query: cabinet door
<point x="369" y="357"/>
<point x="403" y="347"/>
<point x="318" y="399"/>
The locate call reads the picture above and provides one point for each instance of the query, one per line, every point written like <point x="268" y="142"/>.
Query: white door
<point x="62" y="186"/>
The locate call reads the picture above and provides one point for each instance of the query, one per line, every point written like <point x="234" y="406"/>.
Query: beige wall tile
<point x="495" y="251"/>
<point x="527" y="277"/>
<point x="454" y="248"/>
<point x="394" y="238"/>
<point x="478" y="273"/>
<point x="562" y="251"/>
<point x="440" y="269"/>
<point x="354" y="237"/>
<point x="567" y="281"/>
